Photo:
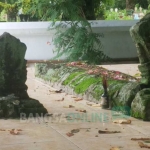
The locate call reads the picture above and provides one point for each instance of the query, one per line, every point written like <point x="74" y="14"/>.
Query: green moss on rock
<point x="12" y="66"/>
<point x="127" y="93"/>
<point x="140" y="107"/>
<point x="77" y="80"/>
<point x="71" y="77"/>
<point x="85" y="84"/>
<point x="114" y="89"/>
<point x="97" y="91"/>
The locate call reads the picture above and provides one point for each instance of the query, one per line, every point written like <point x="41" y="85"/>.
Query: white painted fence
<point x="117" y="42"/>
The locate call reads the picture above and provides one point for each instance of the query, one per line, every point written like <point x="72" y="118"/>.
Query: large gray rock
<point x="141" y="36"/>
<point x="140" y="107"/>
<point x="12" y="66"/>
<point x="11" y="107"/>
<point x="14" y="99"/>
<point x="127" y="94"/>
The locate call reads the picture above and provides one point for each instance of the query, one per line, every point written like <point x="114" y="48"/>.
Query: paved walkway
<point x="49" y="133"/>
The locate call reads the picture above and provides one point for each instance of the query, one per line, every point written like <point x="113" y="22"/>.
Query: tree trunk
<point x="88" y="9"/>
<point x="130" y="4"/>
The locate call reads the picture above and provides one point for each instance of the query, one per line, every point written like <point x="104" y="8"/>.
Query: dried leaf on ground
<point x="85" y="128"/>
<point x="73" y="97"/>
<point x="122" y="121"/>
<point x="146" y="141"/>
<point x="75" y="63"/>
<point x="81" y="110"/>
<point x="60" y="100"/>
<point x="140" y="139"/>
<point x="114" y="148"/>
<point x="19" y="129"/>
<point x="89" y="104"/>
<point x="108" y="132"/>
<point x="96" y="105"/>
<point x="14" y="132"/>
<point x="50" y="115"/>
<point x="75" y="131"/>
<point x="68" y="106"/>
<point x="142" y="145"/>
<point x="68" y="118"/>
<point x="56" y="91"/>
<point x="69" y="134"/>
<point x="2" y="130"/>
<point x="78" y="99"/>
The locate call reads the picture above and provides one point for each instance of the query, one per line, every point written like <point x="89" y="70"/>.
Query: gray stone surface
<point x="140" y="34"/>
<point x="12" y="66"/>
<point x="13" y="74"/>
<point x="126" y="94"/>
<point x="140" y="107"/>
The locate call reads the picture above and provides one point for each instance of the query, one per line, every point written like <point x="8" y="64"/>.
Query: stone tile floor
<point x="49" y="132"/>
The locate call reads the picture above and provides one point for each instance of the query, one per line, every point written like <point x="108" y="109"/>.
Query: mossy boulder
<point x="140" y="107"/>
<point x="145" y="73"/>
<point x="140" y="35"/>
<point x="11" y="107"/>
<point x="31" y="106"/>
<point x="127" y="93"/>
<point x="114" y="89"/>
<point x="13" y="74"/>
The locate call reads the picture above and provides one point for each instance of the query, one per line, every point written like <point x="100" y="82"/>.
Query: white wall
<point x="38" y="39"/>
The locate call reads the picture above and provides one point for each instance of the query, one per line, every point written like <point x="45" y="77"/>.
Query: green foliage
<point x="99" y="11"/>
<point x="74" y="39"/>
<point x="25" y="5"/>
<point x="120" y="15"/>
<point x="11" y="9"/>
<point x="120" y="4"/>
<point x="3" y="16"/>
<point x="78" y="42"/>
<point x="2" y="6"/>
